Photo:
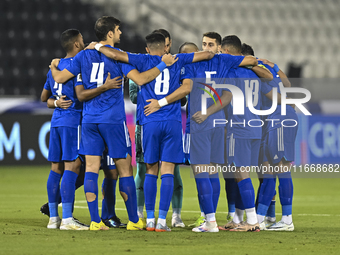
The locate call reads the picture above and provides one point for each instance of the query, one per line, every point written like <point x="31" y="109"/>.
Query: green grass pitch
<point x="316" y="215"/>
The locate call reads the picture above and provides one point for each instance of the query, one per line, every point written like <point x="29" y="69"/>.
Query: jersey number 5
<point x="162" y="82"/>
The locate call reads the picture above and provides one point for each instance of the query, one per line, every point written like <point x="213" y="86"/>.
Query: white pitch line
<point x="301" y="214"/>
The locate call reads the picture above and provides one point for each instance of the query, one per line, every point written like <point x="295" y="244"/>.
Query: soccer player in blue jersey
<point x="162" y="135"/>
<point x="177" y="197"/>
<point x="104" y="120"/>
<point x="232" y="45"/>
<point x="108" y="217"/>
<point x="244" y="141"/>
<point x="203" y="136"/>
<point x="278" y="147"/>
<point x="64" y="138"/>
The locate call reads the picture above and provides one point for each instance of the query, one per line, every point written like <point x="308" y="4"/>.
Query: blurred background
<point x="301" y="36"/>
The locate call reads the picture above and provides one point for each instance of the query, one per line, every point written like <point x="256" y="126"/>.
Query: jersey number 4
<point x="59" y="88"/>
<point x="97" y="73"/>
<point x="162" y="82"/>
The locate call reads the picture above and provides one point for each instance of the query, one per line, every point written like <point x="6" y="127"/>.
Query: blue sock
<point x="286" y="192"/>
<point x="205" y="192"/>
<point x="257" y="195"/>
<point x="150" y="192"/>
<point x="247" y="193"/>
<point x="238" y="202"/>
<point x="167" y="189"/>
<point x="231" y="191"/>
<point x="271" y="209"/>
<point x="216" y="187"/>
<point x="109" y="198"/>
<point x="127" y="186"/>
<point x="53" y="192"/>
<point x="67" y="189"/>
<point x="199" y="197"/>
<point x="91" y="186"/>
<point x="266" y="194"/>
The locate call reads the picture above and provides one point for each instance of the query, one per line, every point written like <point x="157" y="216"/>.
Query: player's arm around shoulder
<point x="262" y="72"/>
<point x="249" y="61"/>
<point x="59" y="76"/>
<point x="203" y="55"/>
<point x="109" y="52"/>
<point x="285" y="81"/>
<point x="149" y="75"/>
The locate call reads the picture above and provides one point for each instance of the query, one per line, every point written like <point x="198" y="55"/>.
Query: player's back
<point x="267" y="104"/>
<point x="206" y="75"/>
<point x="245" y="79"/>
<point x="164" y="84"/>
<point x="71" y="116"/>
<point x="108" y="107"/>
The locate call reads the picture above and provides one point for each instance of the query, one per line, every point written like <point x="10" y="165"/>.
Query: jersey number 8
<point x="162" y="83"/>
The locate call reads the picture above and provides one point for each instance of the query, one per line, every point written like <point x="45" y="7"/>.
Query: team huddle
<point x="88" y="127"/>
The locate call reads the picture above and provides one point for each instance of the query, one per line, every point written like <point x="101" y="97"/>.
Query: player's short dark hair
<point x="67" y="39"/>
<point x="185" y="44"/>
<point x="163" y="32"/>
<point x="104" y="25"/>
<point x="233" y="42"/>
<point x="214" y="35"/>
<point x="155" y="40"/>
<point x="247" y="50"/>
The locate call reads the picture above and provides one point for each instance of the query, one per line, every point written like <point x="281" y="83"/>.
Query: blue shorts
<point x="262" y="155"/>
<point x="64" y="144"/>
<point x="106" y="162"/>
<point x="162" y="141"/>
<point x="207" y="147"/>
<point x="95" y="137"/>
<point x="186" y="148"/>
<point x="243" y="152"/>
<point x="280" y="144"/>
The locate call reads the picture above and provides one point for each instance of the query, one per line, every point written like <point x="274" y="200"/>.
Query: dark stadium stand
<point x="30" y="31"/>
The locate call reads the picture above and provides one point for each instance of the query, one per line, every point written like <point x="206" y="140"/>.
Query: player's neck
<point x="108" y="42"/>
<point x="156" y="53"/>
<point x="71" y="54"/>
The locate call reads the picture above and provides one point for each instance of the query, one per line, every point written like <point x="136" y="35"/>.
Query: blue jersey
<point x="267" y="103"/>
<point x="185" y="75"/>
<point x="107" y="107"/>
<point x="245" y="78"/>
<point x="164" y="84"/>
<point x="70" y="117"/>
<point x="208" y="72"/>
